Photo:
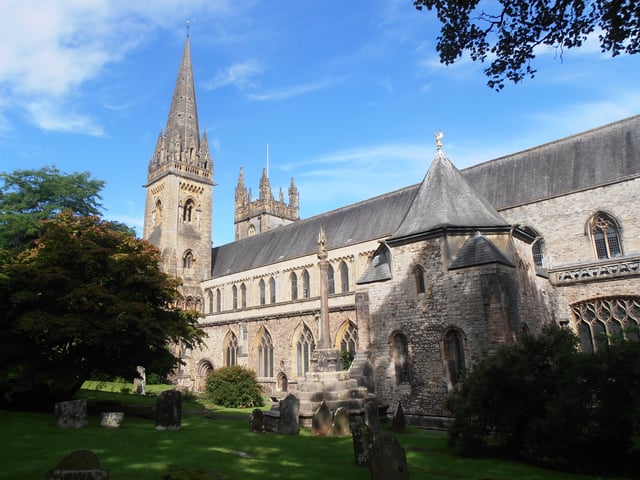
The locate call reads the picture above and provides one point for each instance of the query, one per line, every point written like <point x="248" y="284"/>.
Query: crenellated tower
<point x="264" y="213"/>
<point x="179" y="200"/>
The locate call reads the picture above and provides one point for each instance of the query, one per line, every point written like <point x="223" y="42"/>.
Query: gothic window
<point x="251" y="231"/>
<point x="605" y="236"/>
<point x="265" y="355"/>
<point x="188" y="260"/>
<point x="304" y="348"/>
<point x="272" y="290"/>
<point x="210" y="301"/>
<point x="243" y="295"/>
<point x="344" y="277"/>
<point x="349" y="340"/>
<point x="536" y="251"/>
<point x="157" y="213"/>
<point x="234" y="293"/>
<point x="189" y="303"/>
<point x="218" y="300"/>
<point x="331" y="284"/>
<point x="599" y="319"/>
<point x="418" y="275"/>
<point x="188" y="210"/>
<point x="294" y="286"/>
<point x="282" y="383"/>
<point x="263" y="292"/>
<point x="454" y="355"/>
<point x="400" y="357"/>
<point x="306" y="287"/>
<point x="199" y="305"/>
<point x="231" y="350"/>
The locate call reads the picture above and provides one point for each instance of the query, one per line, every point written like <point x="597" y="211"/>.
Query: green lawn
<point x="219" y="440"/>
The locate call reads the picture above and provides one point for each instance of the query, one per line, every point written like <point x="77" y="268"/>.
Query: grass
<point x="218" y="440"/>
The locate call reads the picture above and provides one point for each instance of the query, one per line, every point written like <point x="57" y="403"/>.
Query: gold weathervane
<point x="439" y="136"/>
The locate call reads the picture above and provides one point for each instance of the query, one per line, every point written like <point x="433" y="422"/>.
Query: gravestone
<point x="321" y="420"/>
<point x="71" y="414"/>
<point x="111" y="419"/>
<point x="78" y="465"/>
<point x="169" y="410"/>
<point x="341" y="426"/>
<point x="256" y="421"/>
<point x="289" y="410"/>
<point x="371" y="416"/>
<point x="388" y="459"/>
<point x="362" y="437"/>
<point x="399" y="424"/>
<point x="140" y="382"/>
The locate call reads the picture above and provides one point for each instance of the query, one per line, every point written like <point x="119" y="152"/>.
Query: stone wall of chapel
<point x="562" y="221"/>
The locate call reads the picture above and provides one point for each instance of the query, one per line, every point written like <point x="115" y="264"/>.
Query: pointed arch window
<point x="188" y="210"/>
<point x="454" y="355"/>
<point x="605" y="236"/>
<point x="156" y="216"/>
<point x="263" y="292"/>
<point x="306" y="287"/>
<point x="331" y="284"/>
<point x="418" y="275"/>
<point x="210" y="301"/>
<point x="400" y="357"/>
<point x="234" y="294"/>
<point x="265" y="355"/>
<point x="188" y="260"/>
<point x="294" y="286"/>
<point x="218" y="300"/>
<point x="272" y="290"/>
<point x="231" y="350"/>
<point x="344" y="277"/>
<point x="536" y="251"/>
<point x="349" y="340"/>
<point x="304" y="348"/>
<point x="243" y="295"/>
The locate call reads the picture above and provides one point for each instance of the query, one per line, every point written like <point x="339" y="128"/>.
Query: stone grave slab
<point x="169" y="410"/>
<point x="388" y="459"/>
<point x="78" y="465"/>
<point x="71" y="414"/>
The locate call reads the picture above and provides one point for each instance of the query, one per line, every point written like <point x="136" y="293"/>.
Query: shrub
<point x="234" y="387"/>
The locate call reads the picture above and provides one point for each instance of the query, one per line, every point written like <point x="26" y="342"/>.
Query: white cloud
<point x="239" y="75"/>
<point x="295" y="90"/>
<point x="50" y="116"/>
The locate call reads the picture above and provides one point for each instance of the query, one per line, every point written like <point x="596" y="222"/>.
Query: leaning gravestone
<point x="362" y="442"/>
<point x="399" y="424"/>
<point x="371" y="416"/>
<point x="256" y="420"/>
<point x="111" y="419"/>
<point x="78" y="465"/>
<point x="71" y="414"/>
<point x="321" y="420"/>
<point x="388" y="459"/>
<point x="169" y="410"/>
<point x="341" y="426"/>
<point x="289" y="409"/>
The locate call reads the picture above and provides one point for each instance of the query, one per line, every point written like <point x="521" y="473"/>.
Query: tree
<point x="86" y="299"/>
<point x="510" y="31"/>
<point x="29" y="196"/>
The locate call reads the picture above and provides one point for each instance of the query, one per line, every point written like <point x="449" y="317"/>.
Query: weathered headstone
<point x="111" y="419"/>
<point x="256" y="420"/>
<point x="399" y="424"/>
<point x="362" y="443"/>
<point x="169" y="410"/>
<point x="140" y="382"/>
<point x="78" y="465"/>
<point x="321" y="420"/>
<point x="341" y="426"/>
<point x="388" y="459"/>
<point x="371" y="416"/>
<point x="71" y="414"/>
<point x="289" y="410"/>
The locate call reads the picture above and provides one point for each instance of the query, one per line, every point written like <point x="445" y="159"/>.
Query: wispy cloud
<point x="239" y="75"/>
<point x="296" y="90"/>
<point x="50" y="116"/>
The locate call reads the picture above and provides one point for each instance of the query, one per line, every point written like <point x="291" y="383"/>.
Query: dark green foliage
<point x="346" y="358"/>
<point x="544" y="400"/>
<point x="509" y="31"/>
<point x="234" y="387"/>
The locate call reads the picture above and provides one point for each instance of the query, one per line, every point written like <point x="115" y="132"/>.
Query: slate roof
<point x="377" y="271"/>
<point x="478" y="250"/>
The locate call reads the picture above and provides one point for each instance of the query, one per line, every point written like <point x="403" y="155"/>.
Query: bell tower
<point x="179" y="191"/>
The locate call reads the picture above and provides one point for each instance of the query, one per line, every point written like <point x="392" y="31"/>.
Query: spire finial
<point x="188" y="27"/>
<point x="438" y="137"/>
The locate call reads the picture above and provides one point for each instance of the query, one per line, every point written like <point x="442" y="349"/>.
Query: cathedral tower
<point x="179" y="200"/>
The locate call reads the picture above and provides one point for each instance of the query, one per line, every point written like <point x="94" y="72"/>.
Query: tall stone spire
<point x="182" y="123"/>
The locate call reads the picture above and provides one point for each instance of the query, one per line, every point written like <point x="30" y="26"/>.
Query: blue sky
<point x="347" y="94"/>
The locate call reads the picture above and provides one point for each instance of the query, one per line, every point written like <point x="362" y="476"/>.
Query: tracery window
<point x="304" y="348"/>
<point x="243" y="295"/>
<point x="599" y="319"/>
<point x="187" y="210"/>
<point x="400" y="357"/>
<point x="265" y="355"/>
<point x="272" y="290"/>
<point x="263" y="292"/>
<point x="294" y="286"/>
<point x="344" y="277"/>
<point x="536" y="251"/>
<point x="234" y="293"/>
<point x="188" y="260"/>
<point x="605" y="236"/>
<point x="331" y="284"/>
<point x="231" y="350"/>
<point x="454" y="355"/>
<point x="349" y="340"/>
<point x="306" y="290"/>
<point x="418" y="275"/>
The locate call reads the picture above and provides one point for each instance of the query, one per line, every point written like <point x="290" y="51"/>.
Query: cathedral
<point x="409" y="288"/>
